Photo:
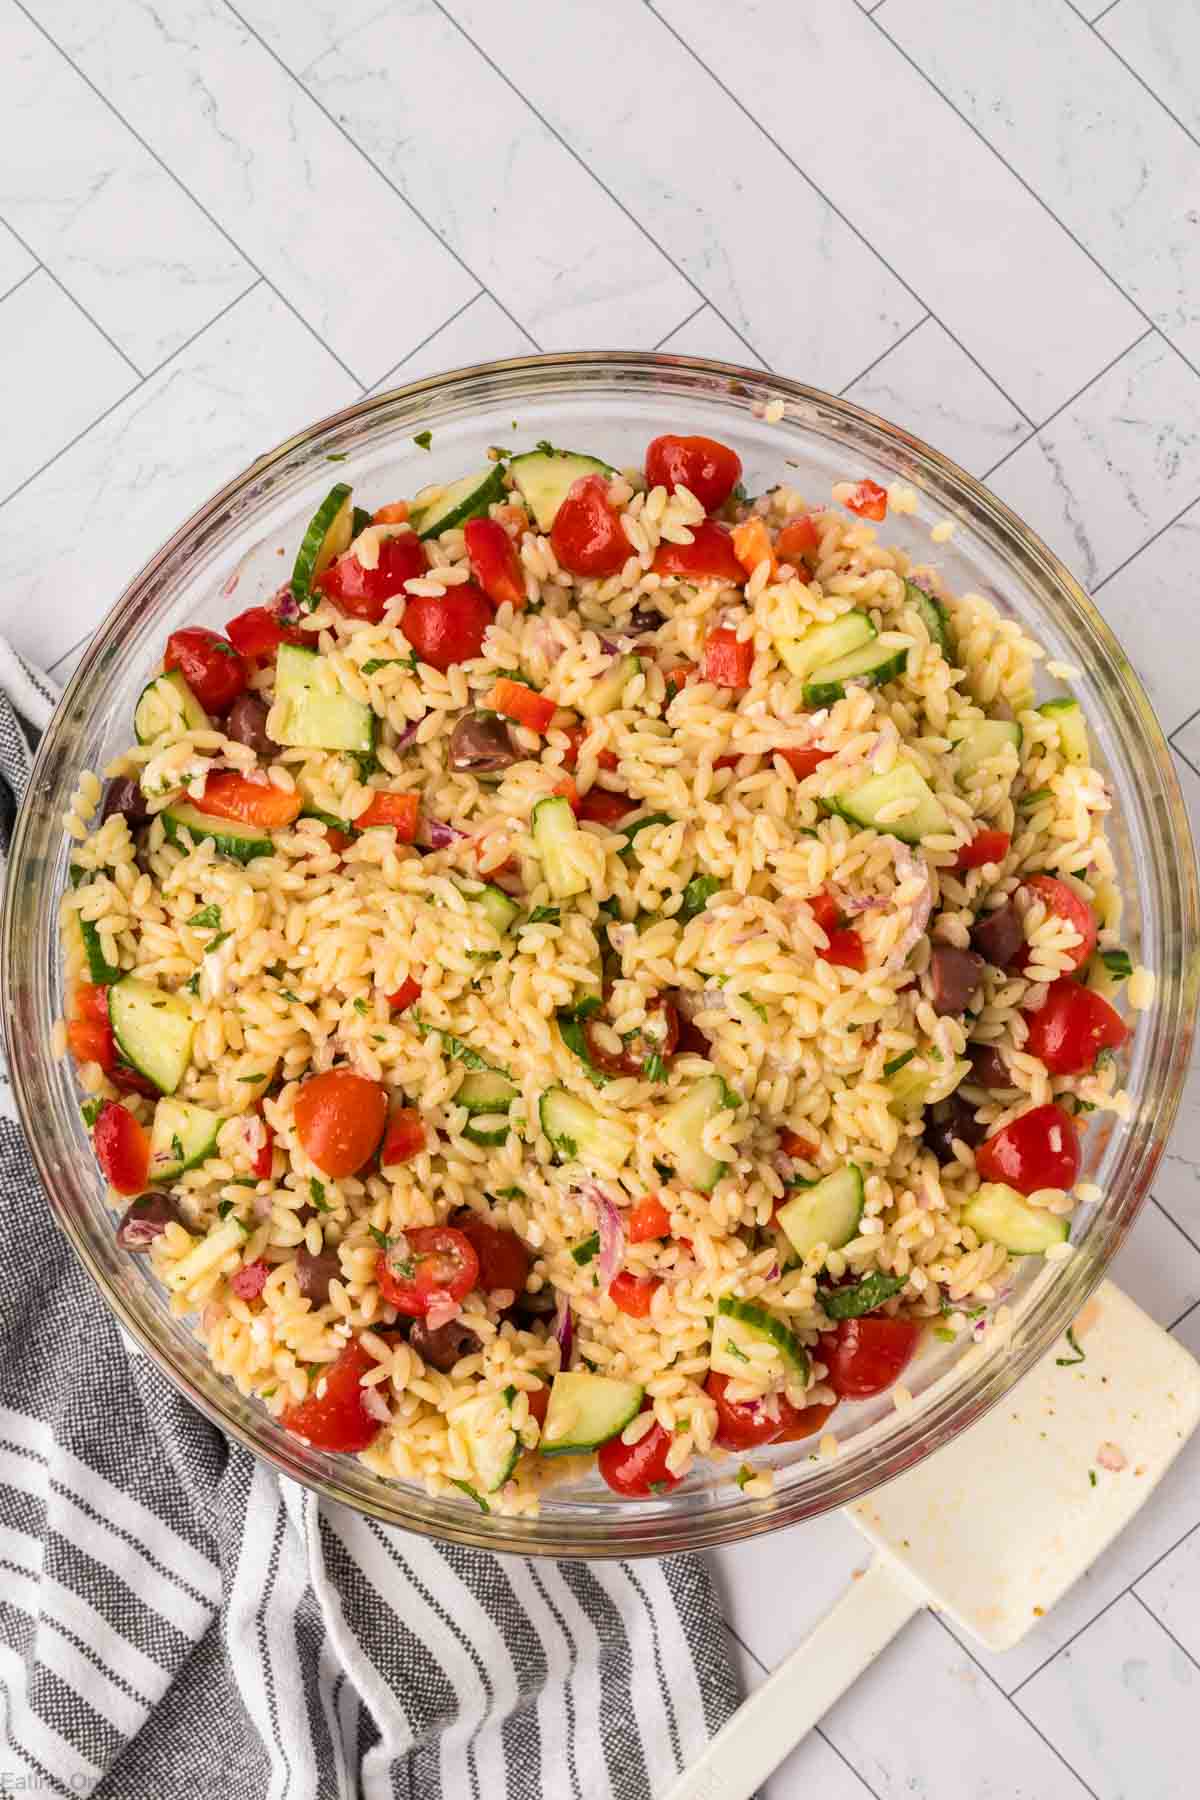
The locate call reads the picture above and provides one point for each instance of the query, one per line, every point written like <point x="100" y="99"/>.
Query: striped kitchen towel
<point x="176" y="1619"/>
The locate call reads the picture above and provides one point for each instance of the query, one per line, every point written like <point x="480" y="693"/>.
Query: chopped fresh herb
<point x="457" y="1051"/>
<point x="543" y="915"/>
<point x="729" y="1099"/>
<point x="744" y="1474"/>
<point x="361" y="1007"/>
<point x="224" y="1209"/>
<point x="78" y="875"/>
<point x="1068" y="1362"/>
<point x="864" y="1297"/>
<point x="658" y="1487"/>
<point x="483" y="955"/>
<point x="192" y="985"/>
<point x="244" y="1181"/>
<point x="631" y="831"/>
<point x="1084" y="1106"/>
<point x="575" y="1038"/>
<point x="268" y="1393"/>
<point x="1030" y="802"/>
<point x="497" y="453"/>
<point x="1118" y="964"/>
<point x="376" y="663"/>
<point x="316" y="1193"/>
<point x="215" y="942"/>
<point x="381" y="1237"/>
<point x="176" y="1147"/>
<point x="583" y="1253"/>
<point x="754" y="1006"/>
<point x="466" y="1487"/>
<point x="898" y="1062"/>
<point x="249" y="1080"/>
<point x="515" y="675"/>
<point x="336" y="455"/>
<point x="664" y="1171"/>
<point x="510" y="1394"/>
<point x="654" y="1068"/>
<point x="696" y="896"/>
<point x="944" y="1332"/>
<point x="366" y="762"/>
<point x="208" y="917"/>
<point x="1104" y="1060"/>
<point x="91" y="1111"/>
<point x="733" y="1349"/>
<point x="546" y="447"/>
<point x="423" y="439"/>
<point x="223" y="648"/>
<point x="1092" y="1477"/>
<point x="610" y="908"/>
<point x="287" y="994"/>
<point x="510" y="1193"/>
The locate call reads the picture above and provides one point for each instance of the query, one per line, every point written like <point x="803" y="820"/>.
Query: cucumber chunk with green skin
<point x="544" y="477"/>
<point x="360" y="518"/>
<point x="484" y="1427"/>
<point x="681" y="1132"/>
<point x="872" y="665"/>
<point x="740" y="1330"/>
<point x="1067" y="717"/>
<point x="347" y="827"/>
<point x="584" y="1411"/>
<point x="605" y="695"/>
<point x="934" y="617"/>
<point x="499" y="909"/>
<point x="581" y="1134"/>
<point x="231" y="837"/>
<point x="153" y="1030"/>
<point x="912" y="1082"/>
<point x="167" y="709"/>
<point x="555" y="833"/>
<point x="329" y="533"/>
<point x="863" y="804"/>
<point x="100" y="970"/>
<point x="828" y="1213"/>
<point x="822" y="644"/>
<point x="1002" y="1216"/>
<point x="488" y="1130"/>
<point x="985" y="739"/>
<point x="317" y="713"/>
<point x="181" y="1137"/>
<point x="866" y="1296"/>
<point x="439" y="508"/>
<point x="485" y="1091"/>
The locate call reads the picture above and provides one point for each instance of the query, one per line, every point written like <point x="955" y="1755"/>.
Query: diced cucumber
<point x="1067" y="716"/>
<point x="863" y="804"/>
<point x="153" y="1030"/>
<point x="581" y="1134"/>
<point x="231" y="837"/>
<point x="485" y="1091"/>
<point x="555" y="834"/>
<point x="934" y="617"/>
<point x="872" y="664"/>
<point x="911" y="1085"/>
<point x="983" y="740"/>
<point x="681" y="1132"/>
<point x="329" y="533"/>
<point x="360" y="518"/>
<point x="740" y="1330"/>
<point x="498" y="908"/>
<point x="585" y="1410"/>
<point x="437" y="509"/>
<point x="166" y="709"/>
<point x="102" y="972"/>
<point x="484" y="1428"/>
<point x="825" y="1214"/>
<point x="317" y="712"/>
<point x="544" y="476"/>
<point x="1002" y="1216"/>
<point x="822" y="644"/>
<point x="488" y="1129"/>
<point x="181" y="1137"/>
<point x="865" y="1296"/>
<point x="604" y="696"/>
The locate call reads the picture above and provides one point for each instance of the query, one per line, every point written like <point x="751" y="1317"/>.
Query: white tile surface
<point x="814" y="1767"/>
<point x="1172" y="1592"/>
<point x="939" y="206"/>
<point x="57" y="375"/>
<point x="1160" y="39"/>
<point x="930" y="386"/>
<point x="15" y="261"/>
<point x="705" y="334"/>
<point x="98" y="210"/>
<point x="1158" y="1267"/>
<point x="481" y="332"/>
<point x="1160" y="585"/>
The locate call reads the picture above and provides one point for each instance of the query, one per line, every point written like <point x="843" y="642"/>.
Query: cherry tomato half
<point x="258" y="632"/>
<point x="1062" y="902"/>
<point x="364" y="593"/>
<point x="340" y="1117"/>
<point x="707" y="468"/>
<point x="122" y="1148"/>
<point x="228" y="795"/>
<point x="647" y="1220"/>
<point x="865" y="1356"/>
<point x="636" y="1470"/>
<point x="633" y="1294"/>
<point x="805" y="1421"/>
<point x="448" y="630"/>
<point x="709" y="557"/>
<point x="1072" y="1027"/>
<point x="587" y="536"/>
<point x="797" y="539"/>
<point x="408" y="991"/>
<point x="1038" y="1150"/>
<point x="601" y="806"/>
<point x="744" y="1424"/>
<point x="433" y="1264"/>
<point x="495" y="563"/>
<point x="503" y="1258"/>
<point x="539" y="1402"/>
<point x="404" y="1137"/>
<point x="334" y="1417"/>
<point x="209" y="664"/>
<point x="869" y="500"/>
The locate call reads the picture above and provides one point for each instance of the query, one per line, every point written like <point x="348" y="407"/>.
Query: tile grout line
<point x="1186" y="1235"/>
<point x="670" y="334"/>
<point x="382" y="174"/>
<point x="739" y="1639"/>
<point x="1032" y="192"/>
<point x="1111" y="7"/>
<point x="1185" y="758"/>
<point x="20" y="282"/>
<point x="883" y="355"/>
<point x="428" y="339"/>
<point x="1152" y="539"/>
<point x="1176" y="1323"/>
<point x="837" y="212"/>
<point x="1070" y="401"/>
<point x="66" y="653"/>
<point x="1151" y="1614"/>
<point x="1091" y="25"/>
<point x="199" y="204"/>
<point x="844" y="1760"/>
<point x="1182" y="726"/>
<point x="77" y="304"/>
<point x="619" y="204"/>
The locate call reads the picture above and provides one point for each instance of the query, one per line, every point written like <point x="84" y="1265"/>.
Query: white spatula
<point x="991" y="1530"/>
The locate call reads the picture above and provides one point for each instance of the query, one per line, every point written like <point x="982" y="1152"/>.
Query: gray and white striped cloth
<point x="178" y="1620"/>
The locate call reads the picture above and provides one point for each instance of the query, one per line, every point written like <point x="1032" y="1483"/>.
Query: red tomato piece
<point x="728" y="659"/>
<point x="258" y="632"/>
<point x="825" y="911"/>
<point x="610" y="1062"/>
<point x="845" y="950"/>
<point x="865" y="1356"/>
<point x="433" y="1264"/>
<point x="249" y="1281"/>
<point x="600" y="806"/>
<point x="1073" y="1026"/>
<point x="752" y="546"/>
<point x="90" y="1001"/>
<point x="709" y="557"/>
<point x="803" y="762"/>
<point x="521" y="704"/>
<point x="228" y="795"/>
<point x="705" y="467"/>
<point x="495" y="563"/>
<point x="209" y="664"/>
<point x="334" y="1416"/>
<point x="692" y="1041"/>
<point x="394" y="513"/>
<point x="1064" y="903"/>
<point x="577" y="735"/>
<point x="662" y="1040"/>
<point x="648" y="1219"/>
<point x="503" y="1258"/>
<point x="792" y="1143"/>
<point x="91" y="1041"/>
<point x="340" y="1117"/>
<point x="1038" y="1150"/>
<point x="805" y="1420"/>
<point x="399" y="811"/>
<point x="448" y="630"/>
<point x="744" y="1424"/>
<point x="676" y="679"/>
<point x="636" y="1470"/>
<point x="797" y="540"/>
<point x="869" y="500"/>
<point x="122" y="1148"/>
<point x="984" y="847"/>
<point x="408" y="991"/>
<point x="587" y="536"/>
<point x="265" y="1159"/>
<point x="404" y="1138"/>
<point x="364" y="593"/>
<point x="633" y="1294"/>
<point x="336" y="840"/>
<point x="539" y="1401"/>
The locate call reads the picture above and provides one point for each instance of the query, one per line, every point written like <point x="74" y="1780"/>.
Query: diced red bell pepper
<point x="633" y="1294"/>
<point x="797" y="540"/>
<point x="728" y="659"/>
<point x="792" y="1143"/>
<point x="709" y="557"/>
<point x="845" y="949"/>
<point x="122" y="1148"/>
<point x="265" y="1158"/>
<point x="984" y="847"/>
<point x="647" y="1220"/>
<point x="228" y="795"/>
<point x="803" y="762"/>
<point x="678" y="678"/>
<point x="404" y="1138"/>
<point x="521" y="704"/>
<point x="752" y="546"/>
<point x="400" y="811"/>
<point x="408" y="991"/>
<point x="869" y="500"/>
<point x="577" y="735"/>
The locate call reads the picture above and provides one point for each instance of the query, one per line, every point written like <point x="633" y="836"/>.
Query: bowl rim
<point x="657" y="1532"/>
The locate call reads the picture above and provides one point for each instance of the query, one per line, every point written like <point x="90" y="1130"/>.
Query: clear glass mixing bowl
<point x="612" y="404"/>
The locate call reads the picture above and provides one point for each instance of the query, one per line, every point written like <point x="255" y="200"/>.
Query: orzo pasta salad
<point x="594" y="967"/>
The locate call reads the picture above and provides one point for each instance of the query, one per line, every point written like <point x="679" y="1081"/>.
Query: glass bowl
<point x="612" y="404"/>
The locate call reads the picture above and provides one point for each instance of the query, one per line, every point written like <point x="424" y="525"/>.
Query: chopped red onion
<point x="610" y="647"/>
<point x="693" y="1001"/>
<point x="375" y="1404"/>
<point x="438" y="835"/>
<point x="612" y="1233"/>
<point x="441" y="1311"/>
<point x="907" y="865"/>
<point x="564" y="1332"/>
<point x="287" y="607"/>
<point x="409" y="733"/>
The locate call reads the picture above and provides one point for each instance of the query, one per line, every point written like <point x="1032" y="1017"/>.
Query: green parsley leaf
<point x="510" y="1193"/>
<point x="732" y="1349"/>
<point x="249" y="1080"/>
<point x="176" y="1147"/>
<point x="583" y="1253"/>
<point x="696" y="896"/>
<point x="658" y="1487"/>
<point x="192" y="986"/>
<point x="1069" y="1362"/>
<point x="1092" y="1477"/>
<point x="223" y="648"/>
<point x="744" y="1474"/>
<point x="1118" y="963"/>
<point x="224" y="1209"/>
<point x="244" y="1181"/>
<point x="316" y="1193"/>
<point x="336" y="455"/>
<point x="423" y="440"/>
<point x="360" y="1007"/>
<point x="864" y="1297"/>
<point x="547" y="448"/>
<point x="1031" y="802"/>
<point x="654" y="1068"/>
<point x="381" y="1237"/>
<point x="386" y="662"/>
<point x="268" y="1393"/>
<point x="214" y="942"/>
<point x="457" y="1051"/>
<point x="898" y="1062"/>
<point x="543" y="915"/>
<point x="631" y="831"/>
<point x="497" y="453"/>
<point x="754" y="1006"/>
<point x="208" y="917"/>
<point x="91" y="1111"/>
<point x="510" y="1394"/>
<point x="287" y="994"/>
<point x="466" y="1487"/>
<point x="575" y="1038"/>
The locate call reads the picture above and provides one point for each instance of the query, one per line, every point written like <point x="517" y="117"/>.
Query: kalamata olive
<point x="988" y="1067"/>
<point x="530" y="1309"/>
<point x="145" y="1219"/>
<point x="314" y="1273"/>
<point x="125" y="796"/>
<point x="247" y="724"/>
<point x="953" y="977"/>
<point x="643" y="619"/>
<point x="999" y="935"/>
<point x="443" y="1345"/>
<point x="950" y="1119"/>
<point x="480" y="742"/>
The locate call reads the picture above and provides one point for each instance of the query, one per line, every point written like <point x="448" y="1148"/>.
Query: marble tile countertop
<point x="220" y="219"/>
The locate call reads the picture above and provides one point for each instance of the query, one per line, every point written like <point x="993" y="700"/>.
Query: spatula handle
<point x="803" y="1688"/>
